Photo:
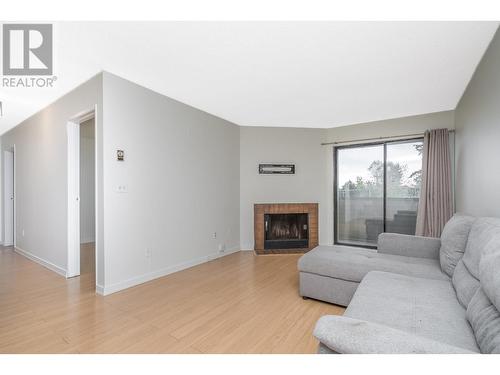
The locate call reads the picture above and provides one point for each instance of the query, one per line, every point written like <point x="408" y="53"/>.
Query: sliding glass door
<point x="377" y="187"/>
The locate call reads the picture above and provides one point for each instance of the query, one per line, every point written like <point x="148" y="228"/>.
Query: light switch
<point x="121" y="189"/>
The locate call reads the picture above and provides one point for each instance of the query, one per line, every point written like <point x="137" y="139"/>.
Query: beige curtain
<point x="435" y="207"/>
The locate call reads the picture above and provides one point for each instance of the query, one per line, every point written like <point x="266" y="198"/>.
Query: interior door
<point x="8" y="158"/>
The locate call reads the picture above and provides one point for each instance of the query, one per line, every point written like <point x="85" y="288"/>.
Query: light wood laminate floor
<point x="241" y="303"/>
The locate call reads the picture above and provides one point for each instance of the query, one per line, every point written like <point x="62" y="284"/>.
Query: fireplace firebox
<point x="286" y="231"/>
<point x="285" y="228"/>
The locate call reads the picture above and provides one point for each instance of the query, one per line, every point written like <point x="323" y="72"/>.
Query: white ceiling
<point x="301" y="74"/>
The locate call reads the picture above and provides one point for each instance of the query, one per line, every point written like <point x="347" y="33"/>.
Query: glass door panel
<point x="359" y="194"/>
<point x="404" y="174"/>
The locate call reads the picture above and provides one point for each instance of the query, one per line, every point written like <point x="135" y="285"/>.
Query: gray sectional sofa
<point x="413" y="294"/>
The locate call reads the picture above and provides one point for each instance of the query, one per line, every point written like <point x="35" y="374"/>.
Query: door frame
<point x="12" y="150"/>
<point x="73" y="132"/>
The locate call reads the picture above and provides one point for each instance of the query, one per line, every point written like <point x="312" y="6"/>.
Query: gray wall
<point x="181" y="171"/>
<point x="282" y="145"/>
<point x="313" y="181"/>
<point x="387" y="128"/>
<point x="478" y="139"/>
<point x="189" y="174"/>
<point x="41" y="174"/>
<point x="393" y="127"/>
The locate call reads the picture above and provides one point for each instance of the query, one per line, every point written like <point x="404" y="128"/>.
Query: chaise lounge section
<point x="447" y="302"/>
<point x="333" y="273"/>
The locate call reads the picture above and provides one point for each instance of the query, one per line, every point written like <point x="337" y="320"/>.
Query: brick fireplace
<point x="285" y="228"/>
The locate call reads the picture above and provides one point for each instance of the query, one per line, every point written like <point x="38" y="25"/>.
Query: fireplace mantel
<point x="261" y="209"/>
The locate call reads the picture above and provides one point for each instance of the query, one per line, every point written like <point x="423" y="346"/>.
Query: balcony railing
<point x="361" y="216"/>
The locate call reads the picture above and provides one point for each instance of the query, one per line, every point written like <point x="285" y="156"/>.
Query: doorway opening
<point x="82" y="197"/>
<point x="9" y="198"/>
<point x="87" y="198"/>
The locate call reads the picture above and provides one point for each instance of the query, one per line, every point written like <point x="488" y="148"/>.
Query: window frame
<point x="384" y="198"/>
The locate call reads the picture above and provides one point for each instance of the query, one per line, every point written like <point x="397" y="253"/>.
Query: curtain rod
<point x="402" y="137"/>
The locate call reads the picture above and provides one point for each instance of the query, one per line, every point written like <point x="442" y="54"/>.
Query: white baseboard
<point x="229" y="251"/>
<point x="42" y="262"/>
<point x="113" y="288"/>
<point x="99" y="289"/>
<point x="87" y="240"/>
<point x="247" y="246"/>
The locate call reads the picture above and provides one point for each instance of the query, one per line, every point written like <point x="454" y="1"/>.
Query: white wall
<point x="87" y="181"/>
<point x="313" y="181"/>
<point x="478" y="139"/>
<point x="41" y="175"/>
<point x="181" y="171"/>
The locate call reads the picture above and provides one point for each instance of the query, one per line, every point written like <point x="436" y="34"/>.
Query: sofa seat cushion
<point x="352" y="264"/>
<point x="424" y="307"/>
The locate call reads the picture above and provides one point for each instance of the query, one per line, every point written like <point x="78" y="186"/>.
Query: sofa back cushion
<point x="466" y="274"/>
<point x="489" y="270"/>
<point x="482" y="231"/>
<point x="484" y="319"/>
<point x="483" y="309"/>
<point x="453" y="241"/>
<point x="464" y="283"/>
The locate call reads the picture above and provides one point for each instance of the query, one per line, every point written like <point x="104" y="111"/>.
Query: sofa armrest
<point x="410" y="246"/>
<point x="353" y="336"/>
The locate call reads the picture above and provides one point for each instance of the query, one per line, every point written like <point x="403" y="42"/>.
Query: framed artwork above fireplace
<point x="276" y="168"/>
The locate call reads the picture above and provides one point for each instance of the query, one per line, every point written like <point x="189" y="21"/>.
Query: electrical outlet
<point x="23" y="232"/>
<point x="222" y="247"/>
<point x="148" y="253"/>
<point x="214" y="235"/>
